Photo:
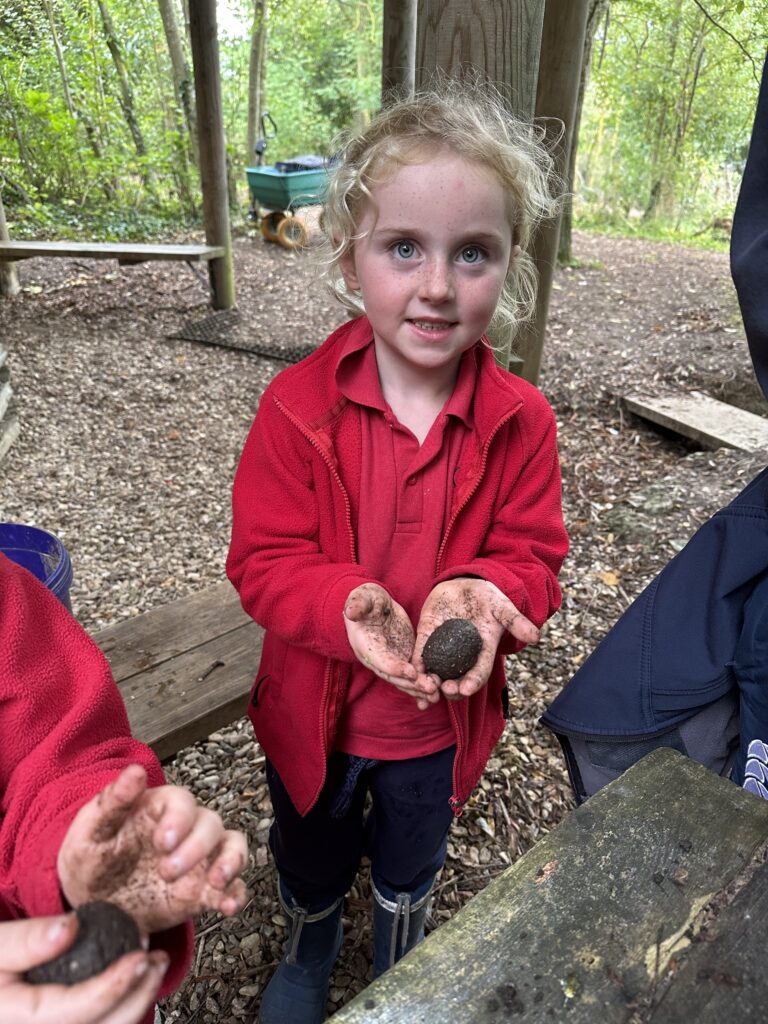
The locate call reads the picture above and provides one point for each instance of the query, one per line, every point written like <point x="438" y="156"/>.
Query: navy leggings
<point x="405" y="833"/>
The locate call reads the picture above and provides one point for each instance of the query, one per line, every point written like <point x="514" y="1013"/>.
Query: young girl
<point x="394" y="479"/>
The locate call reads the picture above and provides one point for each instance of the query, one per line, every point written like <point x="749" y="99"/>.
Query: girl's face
<point x="432" y="260"/>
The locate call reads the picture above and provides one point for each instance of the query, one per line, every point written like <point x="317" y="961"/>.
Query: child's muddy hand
<point x="492" y="613"/>
<point x="156" y="852"/>
<point x="381" y="637"/>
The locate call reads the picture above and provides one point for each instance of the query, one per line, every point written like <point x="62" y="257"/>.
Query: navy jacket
<point x="686" y="666"/>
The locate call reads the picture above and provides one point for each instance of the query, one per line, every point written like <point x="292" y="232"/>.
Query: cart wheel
<point x="270" y="224"/>
<point x="292" y="233"/>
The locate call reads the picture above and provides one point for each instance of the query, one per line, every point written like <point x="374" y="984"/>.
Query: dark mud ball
<point x="105" y="934"/>
<point x="452" y="649"/>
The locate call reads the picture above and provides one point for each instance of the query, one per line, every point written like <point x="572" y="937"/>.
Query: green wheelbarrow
<point x="278" y="190"/>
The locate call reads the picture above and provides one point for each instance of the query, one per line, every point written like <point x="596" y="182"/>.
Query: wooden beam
<point x="213" y="161"/>
<point x="497" y="39"/>
<point x="398" y="64"/>
<point x="125" y="252"/>
<point x="9" y="276"/>
<point x="562" y="50"/>
<point x="597" y="921"/>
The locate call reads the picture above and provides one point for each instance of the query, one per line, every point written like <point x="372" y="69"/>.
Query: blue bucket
<point x="42" y="554"/>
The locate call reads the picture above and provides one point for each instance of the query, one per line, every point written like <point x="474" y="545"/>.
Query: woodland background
<point x="97" y="119"/>
<point x="130" y="435"/>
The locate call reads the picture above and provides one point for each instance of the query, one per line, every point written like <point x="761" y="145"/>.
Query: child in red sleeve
<point x="85" y="815"/>
<point x="393" y="480"/>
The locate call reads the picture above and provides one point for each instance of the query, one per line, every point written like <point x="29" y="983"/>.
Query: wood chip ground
<point x="128" y="442"/>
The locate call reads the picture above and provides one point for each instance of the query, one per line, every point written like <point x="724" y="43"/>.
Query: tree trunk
<point x="18" y="132"/>
<point x="398" y="65"/>
<point x="562" y="47"/>
<point x="9" y="275"/>
<point x="126" y="92"/>
<point x="501" y="40"/>
<point x="79" y="116"/>
<point x="60" y="60"/>
<point x="176" y="124"/>
<point x="257" y="69"/>
<point x="658" y="158"/>
<point x="213" y="164"/>
<point x="598" y="9"/>
<point x="183" y="86"/>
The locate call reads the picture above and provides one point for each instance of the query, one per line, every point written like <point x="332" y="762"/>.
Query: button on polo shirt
<point x="405" y="501"/>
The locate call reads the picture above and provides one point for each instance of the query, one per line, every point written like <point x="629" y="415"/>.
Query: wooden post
<point x="500" y="39"/>
<point x="213" y="164"/>
<point x="9" y="276"/>
<point x="398" y="64"/>
<point x="562" y="49"/>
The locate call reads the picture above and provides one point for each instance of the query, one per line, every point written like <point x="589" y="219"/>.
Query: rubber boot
<point x="298" y="990"/>
<point x="398" y="925"/>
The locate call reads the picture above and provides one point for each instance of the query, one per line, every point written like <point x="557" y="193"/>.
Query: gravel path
<point x="129" y="442"/>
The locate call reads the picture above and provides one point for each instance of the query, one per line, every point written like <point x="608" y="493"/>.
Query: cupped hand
<point x="491" y="612"/>
<point x="382" y="638"/>
<point x="122" y="994"/>
<point x="156" y="852"/>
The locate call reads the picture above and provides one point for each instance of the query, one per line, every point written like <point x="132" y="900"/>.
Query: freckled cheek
<point x="483" y="298"/>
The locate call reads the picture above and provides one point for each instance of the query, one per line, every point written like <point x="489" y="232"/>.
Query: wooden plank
<point x="693" y="414"/>
<point x="9" y="432"/>
<point x="188" y="697"/>
<point x="6" y="393"/>
<point x="723" y="978"/>
<point x="126" y="252"/>
<point x="582" y="926"/>
<point x="137" y="644"/>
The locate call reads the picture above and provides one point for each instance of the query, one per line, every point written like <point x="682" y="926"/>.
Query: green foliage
<point x="666" y="120"/>
<point x="323" y="72"/>
<point x="668" y="115"/>
<point x="68" y="154"/>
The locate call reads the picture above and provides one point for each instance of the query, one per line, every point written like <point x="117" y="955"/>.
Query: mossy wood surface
<point x="723" y="979"/>
<point x="184" y="669"/>
<point x="584" y="926"/>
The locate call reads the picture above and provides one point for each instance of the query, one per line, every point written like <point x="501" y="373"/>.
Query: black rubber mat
<point x="228" y="329"/>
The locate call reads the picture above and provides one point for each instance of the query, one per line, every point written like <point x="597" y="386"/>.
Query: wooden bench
<point x="185" y="669"/>
<point x="123" y="252"/>
<point x="598" y="923"/>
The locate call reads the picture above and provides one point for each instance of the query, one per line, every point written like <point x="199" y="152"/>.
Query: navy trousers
<point x="403" y="830"/>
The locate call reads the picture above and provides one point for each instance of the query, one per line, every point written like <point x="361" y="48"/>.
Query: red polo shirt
<point x="406" y="494"/>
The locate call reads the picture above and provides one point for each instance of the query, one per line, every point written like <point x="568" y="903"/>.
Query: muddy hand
<point x="492" y="613"/>
<point x="156" y="852"/>
<point x="381" y="637"/>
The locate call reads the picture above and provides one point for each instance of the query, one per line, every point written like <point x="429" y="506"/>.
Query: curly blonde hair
<point x="471" y="120"/>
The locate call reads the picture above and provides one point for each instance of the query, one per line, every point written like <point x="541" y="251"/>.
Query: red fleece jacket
<point x="64" y="736"/>
<point x="293" y="551"/>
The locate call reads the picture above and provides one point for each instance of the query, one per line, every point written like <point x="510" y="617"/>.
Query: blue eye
<point x="405" y="250"/>
<point x="471" y="254"/>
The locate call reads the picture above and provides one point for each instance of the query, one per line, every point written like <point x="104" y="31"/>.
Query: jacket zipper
<point x="305" y="432"/>
<point x="455" y="803"/>
<point x="478" y="477"/>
